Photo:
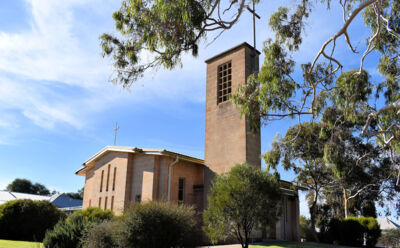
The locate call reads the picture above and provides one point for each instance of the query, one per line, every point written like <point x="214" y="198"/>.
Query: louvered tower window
<point x="224" y="81"/>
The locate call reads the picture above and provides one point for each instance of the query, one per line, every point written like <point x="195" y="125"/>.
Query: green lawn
<point x="293" y="245"/>
<point x="19" y="244"/>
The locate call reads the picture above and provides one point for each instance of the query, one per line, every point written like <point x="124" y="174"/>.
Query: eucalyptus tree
<point x="154" y="34"/>
<point x="303" y="152"/>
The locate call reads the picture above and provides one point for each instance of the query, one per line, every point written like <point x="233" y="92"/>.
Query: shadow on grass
<point x="295" y="245"/>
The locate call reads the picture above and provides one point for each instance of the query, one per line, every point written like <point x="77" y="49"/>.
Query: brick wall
<point x="228" y="139"/>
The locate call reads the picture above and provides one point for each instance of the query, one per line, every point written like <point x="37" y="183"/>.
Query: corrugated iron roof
<point x="59" y="200"/>
<point x="9" y="196"/>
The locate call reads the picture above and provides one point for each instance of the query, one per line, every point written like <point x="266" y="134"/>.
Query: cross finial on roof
<point x="115" y="134"/>
<point x="253" y="12"/>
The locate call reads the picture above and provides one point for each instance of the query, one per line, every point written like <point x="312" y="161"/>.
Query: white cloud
<point x="60" y="52"/>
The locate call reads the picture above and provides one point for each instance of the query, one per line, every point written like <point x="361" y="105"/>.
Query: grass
<point x="293" y="245"/>
<point x="19" y="244"/>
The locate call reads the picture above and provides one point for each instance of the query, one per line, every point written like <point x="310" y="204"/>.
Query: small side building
<point x="63" y="202"/>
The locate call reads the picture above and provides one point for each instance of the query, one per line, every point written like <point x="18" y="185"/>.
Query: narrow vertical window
<point x="90" y="203"/>
<point x="112" y="203"/>
<point x="101" y="181"/>
<point x="181" y="190"/>
<point x="115" y="174"/>
<point x="105" y="203"/>
<point x="224" y="82"/>
<point x="108" y="176"/>
<point x="99" y="202"/>
<point x="138" y="198"/>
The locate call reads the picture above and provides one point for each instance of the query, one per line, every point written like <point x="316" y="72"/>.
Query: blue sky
<point x="57" y="106"/>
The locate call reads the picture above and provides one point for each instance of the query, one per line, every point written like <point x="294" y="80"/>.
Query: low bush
<point x="157" y="225"/>
<point x="351" y="231"/>
<point x="93" y="214"/>
<point x="27" y="219"/>
<point x="371" y="228"/>
<point x="68" y="233"/>
<point x="101" y="235"/>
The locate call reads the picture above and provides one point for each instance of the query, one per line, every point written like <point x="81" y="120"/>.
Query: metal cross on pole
<point x="115" y="134"/>
<point x="253" y="12"/>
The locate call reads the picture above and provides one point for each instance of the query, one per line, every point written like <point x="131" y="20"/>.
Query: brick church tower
<point x="228" y="139"/>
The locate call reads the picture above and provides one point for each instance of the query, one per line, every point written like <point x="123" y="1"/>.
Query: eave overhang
<point x="125" y="149"/>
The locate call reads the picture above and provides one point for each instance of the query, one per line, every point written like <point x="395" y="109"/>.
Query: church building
<point x="116" y="176"/>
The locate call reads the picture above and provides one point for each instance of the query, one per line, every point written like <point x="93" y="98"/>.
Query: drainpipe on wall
<point x="169" y="176"/>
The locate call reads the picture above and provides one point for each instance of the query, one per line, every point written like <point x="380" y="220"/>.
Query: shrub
<point x="156" y="225"/>
<point x="67" y="234"/>
<point x="240" y="200"/>
<point x="371" y="228"/>
<point x="93" y="214"/>
<point x="27" y="219"/>
<point x="100" y="235"/>
<point x="350" y="231"/>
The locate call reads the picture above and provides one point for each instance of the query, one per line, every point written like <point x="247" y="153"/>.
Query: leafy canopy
<point x="156" y="33"/>
<point x="26" y="186"/>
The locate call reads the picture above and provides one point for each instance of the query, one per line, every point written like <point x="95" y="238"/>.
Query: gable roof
<point x="129" y="149"/>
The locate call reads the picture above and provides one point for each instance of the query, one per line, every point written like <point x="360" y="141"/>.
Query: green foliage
<point x="100" y="235"/>
<point x="27" y="220"/>
<point x="353" y="91"/>
<point x="306" y="231"/>
<point x="391" y="238"/>
<point x="93" y="214"/>
<point x="26" y="186"/>
<point x="289" y="31"/>
<point x="78" y="195"/>
<point x="240" y="200"/>
<point x="320" y="87"/>
<point x="67" y="234"/>
<point x="166" y="29"/>
<point x="351" y="231"/>
<point x="157" y="225"/>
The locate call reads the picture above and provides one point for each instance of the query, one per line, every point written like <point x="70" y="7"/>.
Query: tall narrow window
<point x="101" y="181"/>
<point x="224" y="82"/>
<point x="99" y="202"/>
<point x="90" y="203"/>
<point x="105" y="202"/>
<point x="112" y="203"/>
<point x="115" y="174"/>
<point x="108" y="176"/>
<point x="138" y="198"/>
<point x="181" y="190"/>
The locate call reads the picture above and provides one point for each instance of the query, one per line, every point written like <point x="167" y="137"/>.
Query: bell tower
<point x="228" y="139"/>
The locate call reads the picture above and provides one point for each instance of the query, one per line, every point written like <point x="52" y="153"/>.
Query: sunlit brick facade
<point x="117" y="176"/>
